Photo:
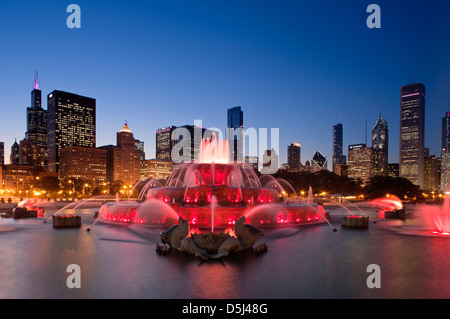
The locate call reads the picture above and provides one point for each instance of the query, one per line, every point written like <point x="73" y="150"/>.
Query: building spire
<point x="36" y="81"/>
<point x="125" y="128"/>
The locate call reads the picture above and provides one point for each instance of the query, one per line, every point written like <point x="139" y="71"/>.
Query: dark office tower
<point x="139" y="145"/>
<point x="445" y="152"/>
<point x="36" y="118"/>
<point x="380" y="136"/>
<point x="338" y="155"/>
<point x="71" y="122"/>
<point x="412" y="132"/>
<point x="14" y="155"/>
<point x="294" y="163"/>
<point x="318" y="162"/>
<point x="235" y="136"/>
<point x="164" y="143"/>
<point x="2" y="153"/>
<point x="36" y="93"/>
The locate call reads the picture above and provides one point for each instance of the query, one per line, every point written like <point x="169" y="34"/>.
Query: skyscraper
<point x="86" y="163"/>
<point x="294" y="163"/>
<point x="318" y="162"/>
<point x="164" y="143"/>
<point x="71" y="122"/>
<point x="445" y="152"/>
<point x="168" y="137"/>
<point x="412" y="132"/>
<point x="432" y="172"/>
<point x="36" y="118"/>
<point x="360" y="163"/>
<point x="338" y="155"/>
<point x="2" y="153"/>
<point x="14" y="155"/>
<point x="380" y="136"/>
<point x="31" y="154"/>
<point x="235" y="134"/>
<point x="124" y="160"/>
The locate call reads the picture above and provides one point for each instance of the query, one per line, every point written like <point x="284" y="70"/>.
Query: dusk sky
<point x="292" y="65"/>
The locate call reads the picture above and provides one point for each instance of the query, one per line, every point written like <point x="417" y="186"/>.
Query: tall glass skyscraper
<point x="164" y="143"/>
<point x="412" y="132"/>
<point x="338" y="155"/>
<point x="235" y="134"/>
<point x="2" y="153"/>
<point x="294" y="159"/>
<point x="71" y="122"/>
<point x="380" y="135"/>
<point x="36" y="118"/>
<point x="445" y="152"/>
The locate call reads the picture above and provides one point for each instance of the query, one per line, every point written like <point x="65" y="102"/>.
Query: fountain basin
<point x="66" y="221"/>
<point x="361" y="222"/>
<point x="23" y="212"/>
<point x="395" y="214"/>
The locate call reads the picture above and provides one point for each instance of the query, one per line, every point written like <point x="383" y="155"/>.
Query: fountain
<point x="437" y="219"/>
<point x="310" y="195"/>
<point x="212" y="195"/>
<point x="390" y="207"/>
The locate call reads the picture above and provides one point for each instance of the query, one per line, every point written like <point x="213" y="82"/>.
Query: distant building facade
<point x="445" y="152"/>
<point x="164" y="143"/>
<point x="157" y="169"/>
<point x="31" y="154"/>
<point x="14" y="154"/>
<point x="318" y="162"/>
<point x="393" y="170"/>
<point x="71" y="122"/>
<point x="85" y="163"/>
<point x="294" y="157"/>
<point x="360" y="162"/>
<point x="432" y="172"/>
<point x="123" y="160"/>
<point x="235" y="134"/>
<point x="2" y="153"/>
<point x="17" y="177"/>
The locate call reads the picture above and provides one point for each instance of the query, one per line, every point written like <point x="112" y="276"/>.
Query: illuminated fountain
<point x="212" y="194"/>
<point x="437" y="218"/>
<point x="425" y="220"/>
<point x="390" y="207"/>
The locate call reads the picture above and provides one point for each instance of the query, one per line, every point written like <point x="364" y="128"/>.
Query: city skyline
<point x="195" y="65"/>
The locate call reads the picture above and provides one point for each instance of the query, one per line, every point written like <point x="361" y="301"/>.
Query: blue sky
<point x="292" y="65"/>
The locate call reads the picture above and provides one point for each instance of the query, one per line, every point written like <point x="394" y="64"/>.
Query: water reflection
<point x="306" y="262"/>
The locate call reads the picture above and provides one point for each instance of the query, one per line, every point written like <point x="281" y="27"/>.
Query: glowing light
<point x="214" y="151"/>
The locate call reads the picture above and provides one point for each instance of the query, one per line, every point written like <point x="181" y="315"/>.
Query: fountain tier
<point x="215" y="195"/>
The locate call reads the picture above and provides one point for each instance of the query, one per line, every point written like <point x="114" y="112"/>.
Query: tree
<point x="380" y="186"/>
<point x="48" y="184"/>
